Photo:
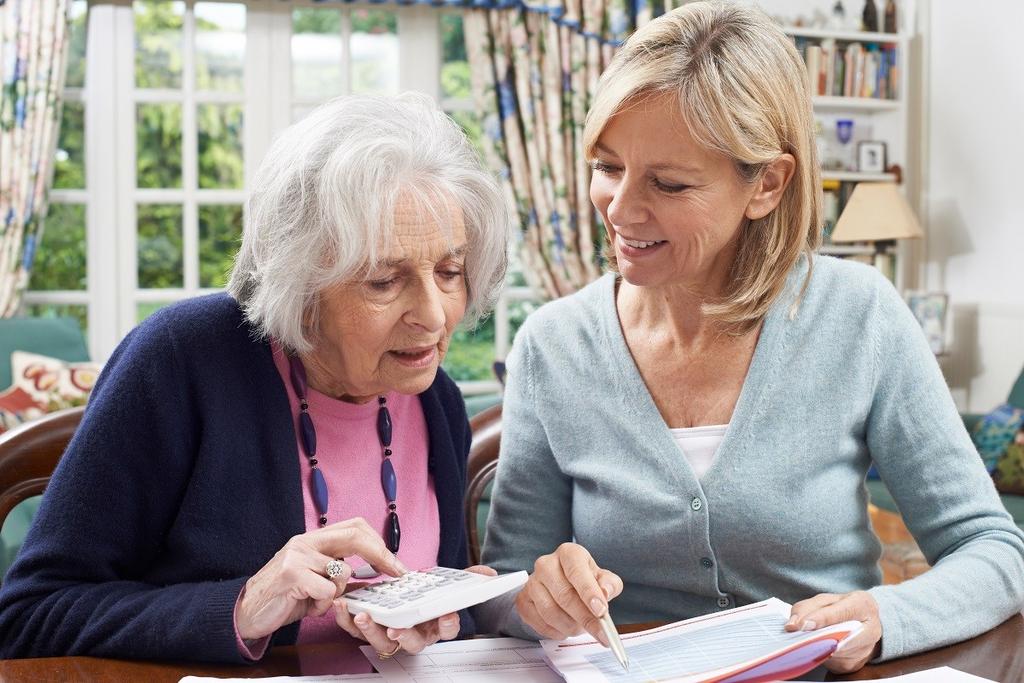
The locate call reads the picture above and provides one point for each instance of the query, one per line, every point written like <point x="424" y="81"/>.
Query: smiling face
<point x="390" y="330"/>
<point x="673" y="209"/>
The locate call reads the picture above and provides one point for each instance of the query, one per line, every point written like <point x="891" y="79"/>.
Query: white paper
<point x="358" y="678"/>
<point x="941" y="675"/>
<point x="481" y="660"/>
<point x="706" y="647"/>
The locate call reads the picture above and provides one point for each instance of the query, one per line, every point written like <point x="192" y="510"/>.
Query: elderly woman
<point x="240" y="454"/>
<point x="692" y="432"/>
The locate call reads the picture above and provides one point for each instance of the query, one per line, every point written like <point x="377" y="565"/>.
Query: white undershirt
<point x="699" y="445"/>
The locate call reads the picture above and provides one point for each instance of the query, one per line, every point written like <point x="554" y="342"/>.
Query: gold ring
<point x="389" y="655"/>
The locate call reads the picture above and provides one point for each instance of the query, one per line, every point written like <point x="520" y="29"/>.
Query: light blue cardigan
<point x="783" y="510"/>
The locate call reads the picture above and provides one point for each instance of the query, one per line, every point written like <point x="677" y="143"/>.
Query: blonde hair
<point x="742" y="90"/>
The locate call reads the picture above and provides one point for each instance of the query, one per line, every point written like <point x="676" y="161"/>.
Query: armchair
<point x="28" y="455"/>
<point x="1015" y="399"/>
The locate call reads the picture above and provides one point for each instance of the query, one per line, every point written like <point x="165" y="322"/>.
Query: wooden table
<point x="997" y="655"/>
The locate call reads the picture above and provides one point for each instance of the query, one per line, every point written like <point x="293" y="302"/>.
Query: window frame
<point x="111" y="197"/>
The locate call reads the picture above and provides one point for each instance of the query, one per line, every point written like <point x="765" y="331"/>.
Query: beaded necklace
<point x="317" y="483"/>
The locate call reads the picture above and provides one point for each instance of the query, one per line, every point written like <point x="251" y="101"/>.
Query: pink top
<point x="349" y="455"/>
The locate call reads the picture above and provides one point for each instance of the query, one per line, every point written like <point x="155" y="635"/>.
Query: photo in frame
<point x="871" y="156"/>
<point x="930" y="310"/>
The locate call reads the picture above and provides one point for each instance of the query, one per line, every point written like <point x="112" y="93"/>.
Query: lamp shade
<point x="876" y="212"/>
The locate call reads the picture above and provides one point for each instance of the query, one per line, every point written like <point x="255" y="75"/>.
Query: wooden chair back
<point x="481" y="468"/>
<point x="30" y="452"/>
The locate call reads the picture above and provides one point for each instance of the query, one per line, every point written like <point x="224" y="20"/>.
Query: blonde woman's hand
<point x="567" y="593"/>
<point x="826" y="609"/>
<point x="294" y="584"/>
<point x="412" y="640"/>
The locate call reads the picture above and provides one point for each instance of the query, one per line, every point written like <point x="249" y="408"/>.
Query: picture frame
<point x="871" y="156"/>
<point x="930" y="310"/>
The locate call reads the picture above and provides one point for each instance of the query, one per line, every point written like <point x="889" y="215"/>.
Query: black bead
<point x="313" y="462"/>
<point x="381" y="400"/>
<point x="392" y="507"/>
<point x="387" y="452"/>
<point x="394" y="532"/>
<point x="323" y="520"/>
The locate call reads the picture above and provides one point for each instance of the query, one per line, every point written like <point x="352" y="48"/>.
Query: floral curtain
<point x="33" y="55"/>
<point x="535" y="68"/>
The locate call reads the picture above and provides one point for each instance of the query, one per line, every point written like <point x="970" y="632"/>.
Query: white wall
<point x="973" y="194"/>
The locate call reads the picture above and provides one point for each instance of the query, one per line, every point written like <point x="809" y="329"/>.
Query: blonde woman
<point x="692" y="432"/>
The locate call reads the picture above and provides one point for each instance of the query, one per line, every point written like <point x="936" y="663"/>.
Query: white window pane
<point x="316" y="52"/>
<point x="159" y="245"/>
<point x="220" y="234"/>
<point x="158" y="145"/>
<point x="158" y="43"/>
<point x="455" y="63"/>
<point x="220" y="46"/>
<point x="374" y="50"/>
<point x="75" y="77"/>
<point x="60" y="257"/>
<point x="69" y="157"/>
<point x="220" y="145"/>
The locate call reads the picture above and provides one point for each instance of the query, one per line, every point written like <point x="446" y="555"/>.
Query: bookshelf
<point x="858" y="177"/>
<point x="863" y="77"/>
<point x="847" y="36"/>
<point x="826" y="102"/>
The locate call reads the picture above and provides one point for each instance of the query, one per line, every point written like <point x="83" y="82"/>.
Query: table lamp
<point x="879" y="213"/>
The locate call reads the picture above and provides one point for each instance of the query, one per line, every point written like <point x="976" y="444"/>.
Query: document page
<point x="338" y="678"/>
<point x="941" y="675"/>
<point x="703" y="648"/>
<point x="480" y="660"/>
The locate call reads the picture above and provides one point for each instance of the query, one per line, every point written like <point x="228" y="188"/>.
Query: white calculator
<point x="428" y="594"/>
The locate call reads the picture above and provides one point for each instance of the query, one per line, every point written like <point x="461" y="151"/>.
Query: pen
<point x="614" y="642"/>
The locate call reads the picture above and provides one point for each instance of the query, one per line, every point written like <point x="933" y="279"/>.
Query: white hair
<point x="321" y="208"/>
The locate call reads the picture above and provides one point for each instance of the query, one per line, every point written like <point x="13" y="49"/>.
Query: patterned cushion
<point x="995" y="432"/>
<point x="1009" y="474"/>
<point x="17" y="406"/>
<point x="43" y="384"/>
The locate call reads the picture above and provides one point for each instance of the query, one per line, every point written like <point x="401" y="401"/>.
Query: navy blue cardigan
<point x="180" y="483"/>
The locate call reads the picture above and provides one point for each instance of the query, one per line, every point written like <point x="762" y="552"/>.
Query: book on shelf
<point x="851" y="69"/>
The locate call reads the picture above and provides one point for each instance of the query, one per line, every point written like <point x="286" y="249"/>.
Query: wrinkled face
<point x="673" y="209"/>
<point x="390" y="330"/>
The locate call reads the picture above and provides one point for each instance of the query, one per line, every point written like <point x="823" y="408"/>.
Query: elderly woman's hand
<point x="293" y="584"/>
<point x="567" y="593"/>
<point x="412" y="640"/>
<point x="826" y="609"/>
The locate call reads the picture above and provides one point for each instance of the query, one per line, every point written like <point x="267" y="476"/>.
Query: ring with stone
<point x="389" y="655"/>
<point x="335" y="568"/>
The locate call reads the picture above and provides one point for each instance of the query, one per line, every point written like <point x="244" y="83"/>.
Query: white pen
<point x="614" y="642"/>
